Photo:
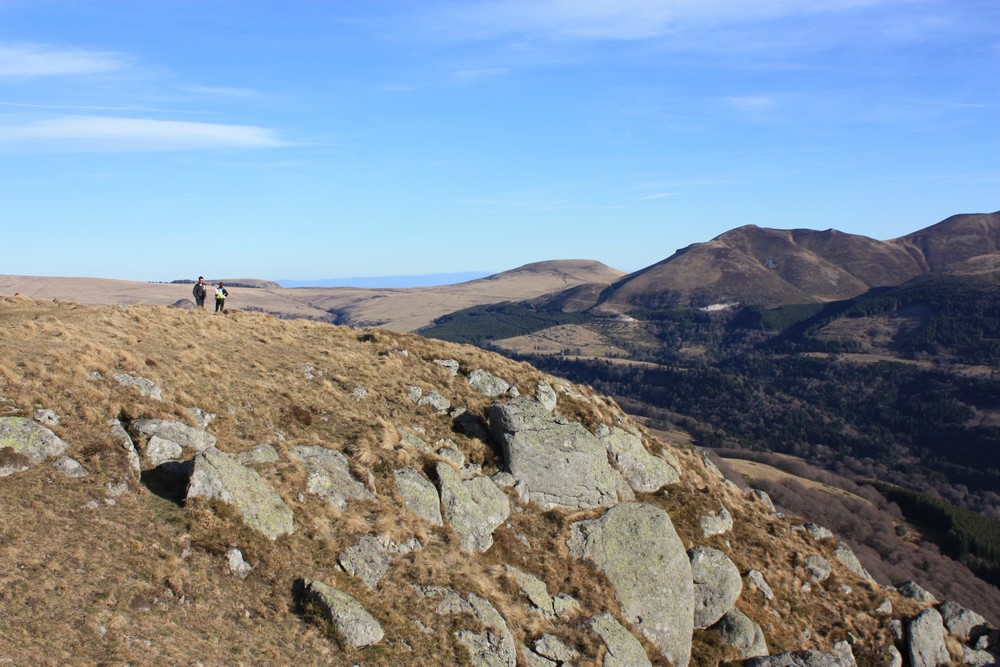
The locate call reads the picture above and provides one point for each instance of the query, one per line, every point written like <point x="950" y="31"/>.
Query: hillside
<point x="753" y="265"/>
<point x="395" y="309"/>
<point x="180" y="488"/>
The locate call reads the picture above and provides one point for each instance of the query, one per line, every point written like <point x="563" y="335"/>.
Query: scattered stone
<point x="414" y="393"/>
<point x="115" y="490"/>
<point x="737" y="630"/>
<point x="449" y="365"/>
<point x="961" y="622"/>
<point x="818" y="567"/>
<point x="800" y="659"/>
<point x="819" y="532"/>
<point x="350" y="620"/>
<point x="436" y="401"/>
<point x="474" y="508"/>
<point x="717" y="523"/>
<point x="553" y="648"/>
<point x="546" y="396"/>
<point x="537" y="593"/>
<point x="845" y="589"/>
<point x="25" y="443"/>
<point x="187" y="437"/>
<point x="717" y="585"/>
<point x="846" y="556"/>
<point x="419" y="495"/>
<point x="556" y="463"/>
<point x="926" y="640"/>
<point x="636" y="547"/>
<point x="46" y="417"/>
<point x="360" y="393"/>
<point x="329" y="475"/>
<point x="202" y="418"/>
<point x="765" y="499"/>
<point x="373" y="556"/>
<point x="755" y="579"/>
<point x="914" y="591"/>
<point x="487" y="384"/>
<point x="624" y="650"/>
<point x="884" y="608"/>
<point x="217" y="475"/>
<point x="258" y="455"/>
<point x="643" y="471"/>
<point x="124" y="440"/>
<point x="144" y="386"/>
<point x="69" y="467"/>
<point x="237" y="566"/>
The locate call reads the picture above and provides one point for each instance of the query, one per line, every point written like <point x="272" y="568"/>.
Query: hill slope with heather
<point x="183" y="488"/>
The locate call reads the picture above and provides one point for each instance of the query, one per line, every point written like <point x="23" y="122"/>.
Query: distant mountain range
<point x="422" y="280"/>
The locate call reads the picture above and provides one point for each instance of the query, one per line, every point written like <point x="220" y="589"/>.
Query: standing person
<point x="220" y="298"/>
<point x="200" y="290"/>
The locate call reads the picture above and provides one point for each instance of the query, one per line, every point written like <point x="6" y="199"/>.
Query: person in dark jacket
<point x="220" y="298"/>
<point x="199" y="291"/>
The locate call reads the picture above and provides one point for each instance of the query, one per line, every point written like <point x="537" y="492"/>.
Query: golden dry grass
<point x="139" y="580"/>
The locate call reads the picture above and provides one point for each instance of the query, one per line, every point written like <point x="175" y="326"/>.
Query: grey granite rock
<point x="349" y="619"/>
<point x="419" y="495"/>
<point x="926" y="640"/>
<point x="329" y="476"/>
<point x="717" y="585"/>
<point x="25" y="443"/>
<point x="473" y="508"/>
<point x="624" y="650"/>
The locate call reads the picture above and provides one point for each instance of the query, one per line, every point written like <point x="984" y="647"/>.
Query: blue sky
<point x="164" y="139"/>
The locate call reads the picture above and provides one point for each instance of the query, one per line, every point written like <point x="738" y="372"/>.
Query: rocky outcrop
<point x="473" y="508"/>
<point x="349" y="619"/>
<point x="740" y="632"/>
<point x="373" y="556"/>
<point x="801" y="659"/>
<point x="636" y="547"/>
<point x="556" y="463"/>
<point x="555" y="649"/>
<point x="624" y="650"/>
<point x="492" y="648"/>
<point x="846" y="556"/>
<point x="926" y="640"/>
<point x="419" y="495"/>
<point x="961" y="622"/>
<point x="25" y="443"/>
<point x="914" y="591"/>
<point x="717" y="585"/>
<point x="643" y="471"/>
<point x="144" y="386"/>
<point x="216" y="475"/>
<point x="329" y="475"/>
<point x="538" y="594"/>
<point x="546" y="396"/>
<point x="487" y="384"/>
<point x="170" y="440"/>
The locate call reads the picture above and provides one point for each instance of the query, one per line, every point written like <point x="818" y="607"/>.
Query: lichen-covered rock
<point x="636" y="546"/>
<point x="124" y="441"/>
<point x="144" y="386"/>
<point x="914" y="591"/>
<point x="546" y="396"/>
<point x="216" y="475"/>
<point x="487" y="384"/>
<point x="716" y="523"/>
<point x="737" y="630"/>
<point x="350" y="620"/>
<point x="474" y="508"/>
<point x="764" y="499"/>
<point x="926" y="640"/>
<point x="419" y="495"/>
<point x="237" y="566"/>
<point x="201" y="417"/>
<point x="187" y="437"/>
<point x="717" y="585"/>
<point x="624" y="650"/>
<point x="846" y="556"/>
<point x="258" y="455"/>
<point x="69" y="467"/>
<point x="329" y="475"/>
<point x="47" y="417"/>
<point x="25" y="443"/>
<point x="800" y="659"/>
<point x="819" y="532"/>
<point x="818" y="567"/>
<point x="755" y="579"/>
<point x="643" y="471"/>
<point x="972" y="657"/>
<point x="553" y="648"/>
<point x="961" y="622"/>
<point x="493" y="648"/>
<point x="436" y="401"/>
<point x="449" y="365"/>
<point x="160" y="450"/>
<point x="532" y="659"/>
<point x="373" y="556"/>
<point x="556" y="463"/>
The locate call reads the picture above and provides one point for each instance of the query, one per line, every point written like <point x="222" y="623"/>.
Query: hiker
<point x="220" y="298"/>
<point x="199" y="291"/>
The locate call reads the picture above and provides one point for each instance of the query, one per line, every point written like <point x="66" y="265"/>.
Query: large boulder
<point x="25" y="443"/>
<point x="556" y="463"/>
<point x="636" y="547"/>
<point x="717" y="585"/>
<point x="419" y="495"/>
<point x="961" y="622"/>
<point x="349" y="619"/>
<point x="217" y="475"/>
<point x="740" y="632"/>
<point x="926" y="640"/>
<point x="474" y="508"/>
<point x="329" y="475"/>
<point x="643" y="471"/>
<point x="624" y="650"/>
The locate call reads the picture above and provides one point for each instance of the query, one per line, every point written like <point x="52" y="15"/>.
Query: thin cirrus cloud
<point x="33" y="60"/>
<point x="111" y="134"/>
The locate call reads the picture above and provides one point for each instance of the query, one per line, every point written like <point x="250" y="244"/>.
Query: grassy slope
<point x="144" y="581"/>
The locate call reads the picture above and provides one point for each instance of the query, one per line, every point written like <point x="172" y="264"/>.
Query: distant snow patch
<point x="715" y="307"/>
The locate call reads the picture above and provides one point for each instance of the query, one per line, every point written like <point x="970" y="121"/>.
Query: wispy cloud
<point x="222" y="91"/>
<point x="34" y="60"/>
<point x="657" y="195"/>
<point x="110" y="134"/>
<point x="475" y="74"/>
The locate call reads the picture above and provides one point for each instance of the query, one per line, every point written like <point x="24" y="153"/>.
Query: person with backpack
<point x="220" y="298"/>
<point x="199" y="291"/>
